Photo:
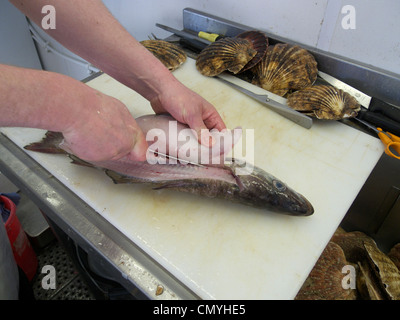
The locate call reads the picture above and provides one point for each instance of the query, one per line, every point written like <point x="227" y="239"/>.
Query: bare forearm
<point x="95" y="126"/>
<point x="88" y="29"/>
<point x="38" y="99"/>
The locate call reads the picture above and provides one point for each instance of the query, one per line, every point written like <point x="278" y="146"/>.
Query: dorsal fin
<point x="49" y="144"/>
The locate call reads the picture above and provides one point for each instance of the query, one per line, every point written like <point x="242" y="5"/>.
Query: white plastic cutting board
<point x="223" y="250"/>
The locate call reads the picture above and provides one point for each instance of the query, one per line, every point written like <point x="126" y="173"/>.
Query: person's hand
<point x="188" y="107"/>
<point x="105" y="131"/>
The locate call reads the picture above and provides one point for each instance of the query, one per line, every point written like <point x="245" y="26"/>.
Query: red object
<point x="24" y="254"/>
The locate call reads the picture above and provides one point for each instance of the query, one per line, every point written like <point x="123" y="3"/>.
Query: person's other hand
<point x="188" y="107"/>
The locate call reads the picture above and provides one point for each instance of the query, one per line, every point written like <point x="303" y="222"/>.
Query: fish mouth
<point x="292" y="203"/>
<point x="307" y="209"/>
<point x="300" y="206"/>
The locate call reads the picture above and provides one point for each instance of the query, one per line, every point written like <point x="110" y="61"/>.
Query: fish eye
<point x="279" y="185"/>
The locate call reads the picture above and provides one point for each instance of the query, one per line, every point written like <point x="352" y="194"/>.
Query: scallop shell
<point x="352" y="244"/>
<point x="324" y="102"/>
<point x="230" y="54"/>
<point x="367" y="284"/>
<point x="259" y="42"/>
<point x="168" y="53"/>
<point x="285" y="67"/>
<point x="385" y="270"/>
<point x="325" y="279"/>
<point x="394" y="255"/>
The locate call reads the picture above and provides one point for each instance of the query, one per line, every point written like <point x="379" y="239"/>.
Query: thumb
<point x="138" y="152"/>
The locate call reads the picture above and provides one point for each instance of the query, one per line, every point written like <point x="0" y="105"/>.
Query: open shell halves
<point x="325" y="280"/>
<point x="285" y="67"/>
<point x="168" y="53"/>
<point x="352" y="244"/>
<point x="394" y="255"/>
<point x="385" y="270"/>
<point x="324" y="102"/>
<point x="259" y="42"/>
<point x="230" y="54"/>
<point x="377" y="275"/>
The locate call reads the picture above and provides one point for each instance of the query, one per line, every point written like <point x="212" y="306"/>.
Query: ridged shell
<point x="367" y="284"/>
<point x="259" y="42"/>
<point x="230" y="54"/>
<point x="352" y="244"/>
<point x="285" y="67"/>
<point x="324" y="102"/>
<point x="325" y="280"/>
<point x="168" y="53"/>
<point x="385" y="270"/>
<point x="394" y="255"/>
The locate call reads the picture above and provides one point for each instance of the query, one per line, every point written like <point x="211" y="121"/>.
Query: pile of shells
<point x="279" y="69"/>
<point x="283" y="69"/>
<point x="168" y="53"/>
<point x="325" y="279"/>
<point x="376" y="275"/>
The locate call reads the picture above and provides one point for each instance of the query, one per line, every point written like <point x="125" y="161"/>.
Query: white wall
<point x="318" y="23"/>
<point x="17" y="47"/>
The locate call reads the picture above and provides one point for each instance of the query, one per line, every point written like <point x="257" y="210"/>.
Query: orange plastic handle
<point x="392" y="144"/>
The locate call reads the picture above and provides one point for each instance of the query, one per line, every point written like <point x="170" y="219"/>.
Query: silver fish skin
<point x="257" y="188"/>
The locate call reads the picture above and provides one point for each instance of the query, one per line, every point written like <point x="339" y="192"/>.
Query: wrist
<point x="142" y="72"/>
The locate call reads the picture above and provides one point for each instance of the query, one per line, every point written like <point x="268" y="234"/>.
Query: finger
<point x="217" y="124"/>
<point x="214" y="121"/>
<point x="204" y="136"/>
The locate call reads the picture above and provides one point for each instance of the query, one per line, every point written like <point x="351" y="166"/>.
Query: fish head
<point x="261" y="189"/>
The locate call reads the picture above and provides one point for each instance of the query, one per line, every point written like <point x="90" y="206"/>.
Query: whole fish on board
<point x="250" y="186"/>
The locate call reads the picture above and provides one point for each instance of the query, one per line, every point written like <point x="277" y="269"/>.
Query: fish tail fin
<point x="49" y="144"/>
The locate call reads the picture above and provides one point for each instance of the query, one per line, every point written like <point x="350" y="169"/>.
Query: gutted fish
<point x="166" y="135"/>
<point x="235" y="182"/>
